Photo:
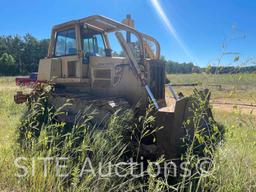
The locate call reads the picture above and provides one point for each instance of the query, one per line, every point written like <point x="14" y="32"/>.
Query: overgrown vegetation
<point x="232" y="168"/>
<point x="42" y="134"/>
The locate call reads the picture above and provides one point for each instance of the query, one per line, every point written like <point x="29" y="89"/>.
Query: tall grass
<point x="9" y="119"/>
<point x="42" y="134"/>
<point x="235" y="159"/>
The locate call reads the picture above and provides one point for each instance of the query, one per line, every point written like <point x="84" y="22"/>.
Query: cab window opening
<point x="92" y="43"/>
<point x="65" y="44"/>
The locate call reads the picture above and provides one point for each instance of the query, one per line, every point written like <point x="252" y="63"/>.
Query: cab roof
<point x="107" y="25"/>
<point x="100" y="22"/>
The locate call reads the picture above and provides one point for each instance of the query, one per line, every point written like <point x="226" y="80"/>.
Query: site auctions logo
<point x="59" y="166"/>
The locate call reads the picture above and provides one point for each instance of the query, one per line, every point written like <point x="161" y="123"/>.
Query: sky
<point x="197" y="31"/>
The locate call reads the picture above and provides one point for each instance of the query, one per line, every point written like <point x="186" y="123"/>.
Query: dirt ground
<point x="224" y="105"/>
<point x="244" y="108"/>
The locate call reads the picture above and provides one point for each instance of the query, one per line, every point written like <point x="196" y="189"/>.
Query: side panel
<point x="70" y="67"/>
<point x="48" y="69"/>
<point x="114" y="77"/>
<point x="60" y="69"/>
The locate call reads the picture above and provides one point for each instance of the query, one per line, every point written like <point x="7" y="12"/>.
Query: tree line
<point x="187" y="68"/>
<point x="20" y="55"/>
<point x="229" y="69"/>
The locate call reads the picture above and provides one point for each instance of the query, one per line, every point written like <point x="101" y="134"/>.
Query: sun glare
<point x="161" y="13"/>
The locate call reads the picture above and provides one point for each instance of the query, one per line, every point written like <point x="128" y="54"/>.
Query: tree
<point x="7" y="64"/>
<point x="7" y="59"/>
<point x="26" y="52"/>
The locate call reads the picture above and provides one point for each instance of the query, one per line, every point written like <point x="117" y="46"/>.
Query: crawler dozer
<point x="84" y="68"/>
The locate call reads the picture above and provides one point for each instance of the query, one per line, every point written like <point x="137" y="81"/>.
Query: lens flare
<point x="170" y="27"/>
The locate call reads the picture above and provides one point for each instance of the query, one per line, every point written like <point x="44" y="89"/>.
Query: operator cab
<point x="80" y="54"/>
<point x="73" y="47"/>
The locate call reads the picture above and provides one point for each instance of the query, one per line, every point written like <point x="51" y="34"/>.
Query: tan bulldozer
<point x="84" y="68"/>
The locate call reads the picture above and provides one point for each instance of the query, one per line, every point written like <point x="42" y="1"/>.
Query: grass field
<point x="235" y="159"/>
<point x="228" y="91"/>
<point x="10" y="114"/>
